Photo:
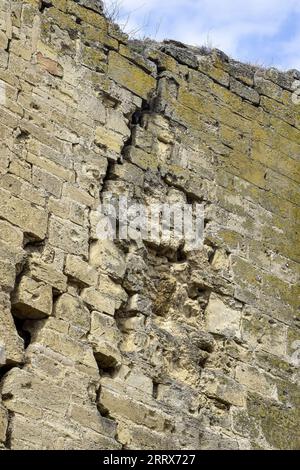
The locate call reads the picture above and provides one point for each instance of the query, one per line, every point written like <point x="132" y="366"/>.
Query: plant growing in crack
<point x="116" y="14"/>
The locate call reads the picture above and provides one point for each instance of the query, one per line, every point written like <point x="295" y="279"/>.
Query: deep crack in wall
<point x="123" y="345"/>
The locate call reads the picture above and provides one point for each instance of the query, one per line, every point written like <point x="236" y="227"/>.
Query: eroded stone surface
<point x="150" y="345"/>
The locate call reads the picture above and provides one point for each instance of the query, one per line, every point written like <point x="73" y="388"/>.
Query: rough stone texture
<point x="149" y="346"/>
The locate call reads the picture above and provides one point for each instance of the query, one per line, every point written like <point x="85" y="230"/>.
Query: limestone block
<point x="27" y="391"/>
<point x="212" y="441"/>
<point x="139" y="413"/>
<point x="109" y="139"/>
<point x="128" y="75"/>
<point x="71" y="347"/>
<point x="51" y="66"/>
<point x="105" y="338"/>
<point x="139" y="437"/>
<point x="92" y="58"/>
<point x="203" y="340"/>
<point x="90" y="418"/>
<point x="7" y="274"/>
<point x="259" y="332"/>
<point x="18" y="49"/>
<point x="220" y="260"/>
<point x="106" y="255"/>
<point x="34" y="434"/>
<point x="51" y="167"/>
<point x="72" y="310"/>
<point x="2" y="355"/>
<point x="256" y="380"/>
<point x="142" y="159"/>
<point x="79" y="213"/>
<point x="80" y="271"/>
<point x="3" y="58"/>
<point x="139" y="381"/>
<point x="107" y="356"/>
<point x="183" y="55"/>
<point x="117" y="123"/>
<point x="47" y="273"/>
<point x="222" y="320"/>
<point x="223" y="388"/>
<point x="112" y="290"/>
<point x="90" y="13"/>
<point x="244" y="91"/>
<point x="32" y="299"/>
<point x="137" y="58"/>
<point x="78" y="195"/>
<point x="129" y="173"/>
<point x="68" y="236"/>
<point x="98" y="301"/>
<point x="52" y="184"/>
<point x="21" y="168"/>
<point x="30" y="218"/>
<point x="11" y="345"/>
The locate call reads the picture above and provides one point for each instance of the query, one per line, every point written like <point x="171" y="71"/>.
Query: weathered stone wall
<point x="110" y="346"/>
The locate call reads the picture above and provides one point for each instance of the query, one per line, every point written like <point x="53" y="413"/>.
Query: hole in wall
<point x="44" y="4"/>
<point x="107" y="364"/>
<point x="22" y="332"/>
<point x="155" y="390"/>
<point x="22" y="135"/>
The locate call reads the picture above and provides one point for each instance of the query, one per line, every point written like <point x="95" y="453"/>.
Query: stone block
<point x="51" y="66"/>
<point x="32" y="299"/>
<point x="117" y="123"/>
<point x="244" y="91"/>
<point x="30" y="218"/>
<point x="262" y="332"/>
<point x="256" y="380"/>
<point x="222" y="320"/>
<point x="41" y="271"/>
<point x="98" y="301"/>
<point x="128" y="75"/>
<point x="109" y="140"/>
<point x="223" y="388"/>
<point x="51" y="167"/>
<point x="106" y="255"/>
<point x="105" y="338"/>
<point x="68" y="236"/>
<point x="72" y="310"/>
<point x="80" y="271"/>
<point x="126" y="408"/>
<point x="52" y="184"/>
<point x="112" y="290"/>
<point x="130" y="173"/>
<point x="90" y="418"/>
<point x="7" y="274"/>
<point x="11" y="345"/>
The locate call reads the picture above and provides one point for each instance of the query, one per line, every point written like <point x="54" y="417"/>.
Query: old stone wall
<point x="109" y="345"/>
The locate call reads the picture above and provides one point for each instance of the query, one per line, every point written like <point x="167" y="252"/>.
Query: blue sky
<point x="263" y="32"/>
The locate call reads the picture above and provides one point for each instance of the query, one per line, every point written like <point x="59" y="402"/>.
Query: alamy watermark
<point x="161" y="223"/>
<point x="296" y="92"/>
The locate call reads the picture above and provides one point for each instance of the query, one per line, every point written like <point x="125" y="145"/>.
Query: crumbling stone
<point x="148" y="343"/>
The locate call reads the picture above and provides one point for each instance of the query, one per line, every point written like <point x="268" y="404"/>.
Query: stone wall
<point x="143" y="346"/>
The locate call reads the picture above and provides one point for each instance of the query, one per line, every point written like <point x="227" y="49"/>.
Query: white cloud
<point x="227" y="24"/>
